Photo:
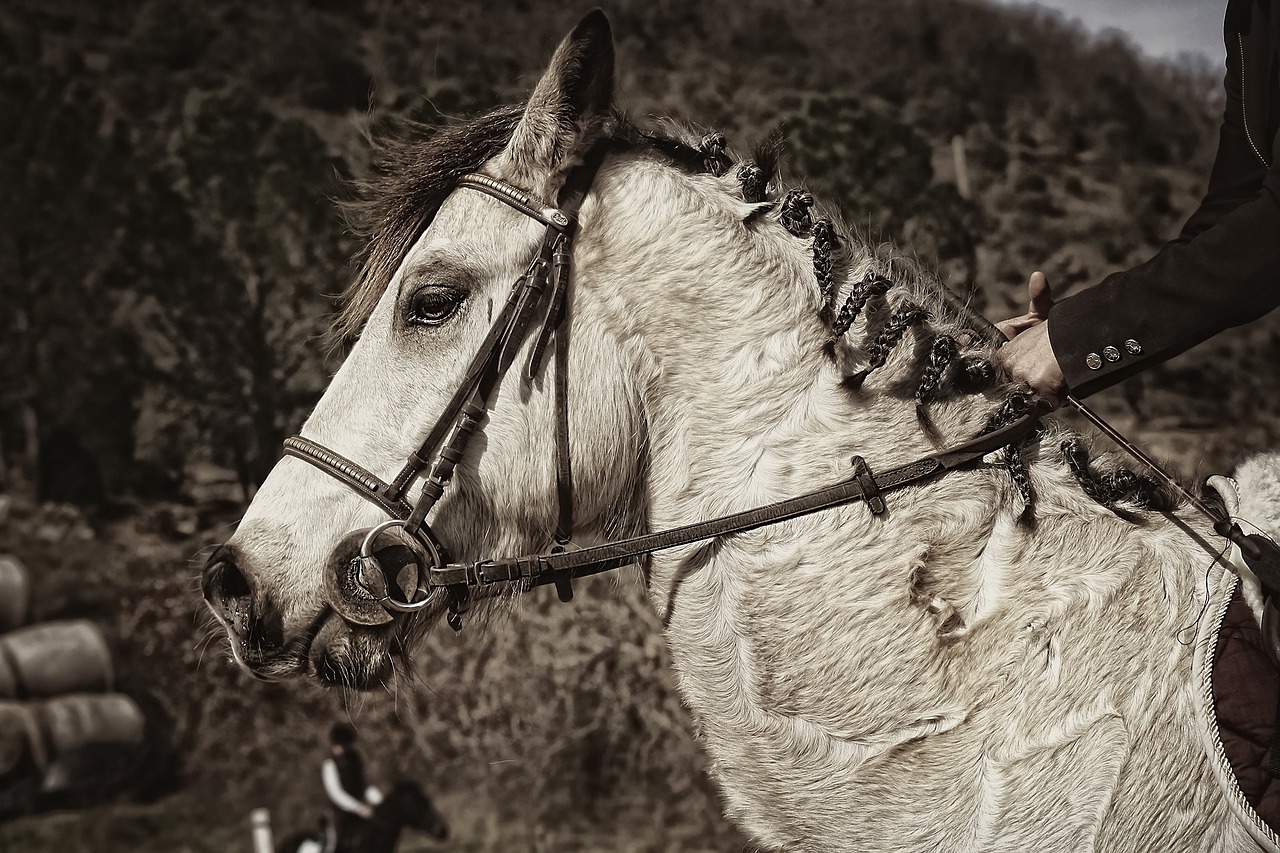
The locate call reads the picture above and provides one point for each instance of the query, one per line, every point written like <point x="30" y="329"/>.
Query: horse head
<point x="697" y="335"/>
<point x="440" y="265"/>
<point x="406" y="805"/>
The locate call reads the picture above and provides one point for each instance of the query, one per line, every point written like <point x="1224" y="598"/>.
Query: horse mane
<point x="418" y="168"/>
<point x="415" y="172"/>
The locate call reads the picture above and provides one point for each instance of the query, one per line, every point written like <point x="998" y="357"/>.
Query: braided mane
<point x="393" y="208"/>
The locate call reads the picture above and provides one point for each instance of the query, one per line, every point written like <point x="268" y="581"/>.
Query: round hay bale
<point x="91" y="740"/>
<point x="20" y="739"/>
<point x="53" y="658"/>
<point x="22" y="760"/>
<point x="8" y="679"/>
<point x="15" y="592"/>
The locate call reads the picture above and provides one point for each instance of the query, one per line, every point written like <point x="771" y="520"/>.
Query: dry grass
<point x="558" y="729"/>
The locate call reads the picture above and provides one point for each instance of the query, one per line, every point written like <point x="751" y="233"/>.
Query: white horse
<point x="966" y="671"/>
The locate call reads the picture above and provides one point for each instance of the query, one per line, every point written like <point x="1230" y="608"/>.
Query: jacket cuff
<point x="1092" y="352"/>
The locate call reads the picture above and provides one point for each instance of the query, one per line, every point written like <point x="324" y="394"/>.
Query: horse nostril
<point x="228" y="592"/>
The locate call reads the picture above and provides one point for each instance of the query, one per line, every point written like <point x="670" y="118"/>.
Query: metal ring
<point x="366" y="553"/>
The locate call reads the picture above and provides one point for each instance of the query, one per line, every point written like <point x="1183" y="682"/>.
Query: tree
<point x="881" y="173"/>
<point x="246" y="326"/>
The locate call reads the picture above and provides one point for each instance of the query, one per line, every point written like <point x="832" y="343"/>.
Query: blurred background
<point x="170" y="250"/>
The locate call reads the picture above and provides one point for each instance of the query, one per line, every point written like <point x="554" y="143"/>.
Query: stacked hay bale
<point x="64" y="735"/>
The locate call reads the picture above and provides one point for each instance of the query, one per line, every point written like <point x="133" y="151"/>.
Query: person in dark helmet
<point x="1223" y="270"/>
<point x="353" y="798"/>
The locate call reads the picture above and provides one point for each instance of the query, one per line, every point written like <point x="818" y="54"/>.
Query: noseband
<point x="549" y="274"/>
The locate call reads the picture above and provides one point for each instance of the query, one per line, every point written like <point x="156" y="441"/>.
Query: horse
<point x="1002" y="657"/>
<point x="404" y="806"/>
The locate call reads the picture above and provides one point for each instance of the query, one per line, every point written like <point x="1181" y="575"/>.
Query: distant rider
<point x="353" y="798"/>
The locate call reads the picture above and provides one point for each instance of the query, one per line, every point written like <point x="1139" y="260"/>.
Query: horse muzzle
<point x="375" y="573"/>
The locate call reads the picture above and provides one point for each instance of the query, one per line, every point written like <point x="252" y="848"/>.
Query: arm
<point x="1222" y="271"/>
<point x="337" y="794"/>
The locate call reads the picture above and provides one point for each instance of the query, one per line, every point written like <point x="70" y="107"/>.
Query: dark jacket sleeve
<point x="1222" y="271"/>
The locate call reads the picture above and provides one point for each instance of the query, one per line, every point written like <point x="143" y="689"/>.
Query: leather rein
<point x="547" y="279"/>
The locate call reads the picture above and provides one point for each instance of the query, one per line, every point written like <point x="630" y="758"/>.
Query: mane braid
<point x="957" y="354"/>
<point x="709" y="154"/>
<point x="768" y="153"/>
<point x="878" y="350"/>
<point x="714" y="158"/>
<point x="755" y="185"/>
<point x="1114" y="486"/>
<point x="1015" y="406"/>
<point x="873" y="284"/>
<point x="1016" y="465"/>
<point x="942" y="352"/>
<point x="823" y="241"/>
<point x="795" y="213"/>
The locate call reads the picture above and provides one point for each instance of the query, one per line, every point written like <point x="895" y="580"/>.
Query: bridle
<point x="548" y="279"/>
<point x="435" y="460"/>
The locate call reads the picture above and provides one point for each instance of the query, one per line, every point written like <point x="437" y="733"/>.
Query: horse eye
<point x="432" y="304"/>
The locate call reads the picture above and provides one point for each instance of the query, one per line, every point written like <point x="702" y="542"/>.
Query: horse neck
<point x="383" y="833"/>
<point x="745" y="412"/>
<point x="751" y="405"/>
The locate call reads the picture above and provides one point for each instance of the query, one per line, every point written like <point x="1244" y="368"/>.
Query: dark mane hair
<point x="392" y="208"/>
<point x="418" y="168"/>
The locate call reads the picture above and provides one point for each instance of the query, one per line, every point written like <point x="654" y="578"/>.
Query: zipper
<point x="1262" y="834"/>
<point x="1244" y="118"/>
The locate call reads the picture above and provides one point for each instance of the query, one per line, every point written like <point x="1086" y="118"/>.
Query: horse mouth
<point x="272" y="663"/>
<point x="329" y="650"/>
<point x="354" y="656"/>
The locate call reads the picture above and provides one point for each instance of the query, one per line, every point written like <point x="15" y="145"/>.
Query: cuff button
<point x="1111" y="354"/>
<point x="1132" y="347"/>
<point x="1093" y="361"/>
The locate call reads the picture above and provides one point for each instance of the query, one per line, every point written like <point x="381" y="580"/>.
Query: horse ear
<point x="576" y="89"/>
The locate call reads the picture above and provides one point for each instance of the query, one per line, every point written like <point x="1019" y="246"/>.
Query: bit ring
<point x="425" y="545"/>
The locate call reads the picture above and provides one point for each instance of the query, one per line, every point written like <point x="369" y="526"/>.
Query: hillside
<point x="169" y="256"/>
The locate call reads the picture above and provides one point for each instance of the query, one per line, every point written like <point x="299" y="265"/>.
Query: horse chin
<point x="353" y="656"/>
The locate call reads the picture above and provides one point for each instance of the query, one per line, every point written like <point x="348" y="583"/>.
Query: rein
<point x="365" y="594"/>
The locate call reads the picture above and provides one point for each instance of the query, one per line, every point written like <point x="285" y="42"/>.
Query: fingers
<point x="1039" y="295"/>
<point x="1017" y="325"/>
<point x="1040" y="301"/>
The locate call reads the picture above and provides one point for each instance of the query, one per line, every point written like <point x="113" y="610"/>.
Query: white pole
<point x="962" y="165"/>
<point x="261" y="820"/>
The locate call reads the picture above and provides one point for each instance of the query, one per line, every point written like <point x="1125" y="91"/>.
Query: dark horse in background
<point x="405" y="806"/>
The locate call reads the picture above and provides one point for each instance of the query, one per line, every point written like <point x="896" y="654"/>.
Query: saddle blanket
<point x="1242" y="682"/>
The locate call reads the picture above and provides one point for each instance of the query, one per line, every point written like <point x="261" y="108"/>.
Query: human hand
<point x="366" y="812"/>
<point x="1028" y="356"/>
<point x="1040" y="301"/>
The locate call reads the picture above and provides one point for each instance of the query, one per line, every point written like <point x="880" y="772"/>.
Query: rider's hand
<point x="366" y="812"/>
<point x="1041" y="301"/>
<point x="1028" y="356"/>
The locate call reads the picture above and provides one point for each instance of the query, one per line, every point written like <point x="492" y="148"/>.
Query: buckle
<point x="867" y="483"/>
<point x="563" y="580"/>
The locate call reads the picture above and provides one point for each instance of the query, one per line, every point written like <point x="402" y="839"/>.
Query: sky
<point x="1162" y="28"/>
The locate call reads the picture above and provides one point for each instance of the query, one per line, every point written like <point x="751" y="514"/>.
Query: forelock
<point x="391" y="209"/>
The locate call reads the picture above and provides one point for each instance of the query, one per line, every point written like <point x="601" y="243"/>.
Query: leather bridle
<point x="548" y="279"/>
